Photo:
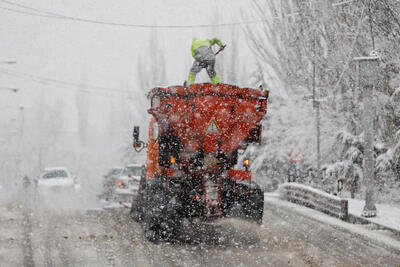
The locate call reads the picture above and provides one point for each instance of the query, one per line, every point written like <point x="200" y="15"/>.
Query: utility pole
<point x="18" y="156"/>
<point x="316" y="104"/>
<point x="368" y="67"/>
<point x="314" y="97"/>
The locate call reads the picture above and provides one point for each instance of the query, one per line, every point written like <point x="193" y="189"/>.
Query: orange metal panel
<point x="152" y="153"/>
<point x="231" y="111"/>
<point x="241" y="175"/>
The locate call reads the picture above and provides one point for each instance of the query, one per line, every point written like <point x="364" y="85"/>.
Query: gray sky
<point x="101" y="56"/>
<point x="104" y="55"/>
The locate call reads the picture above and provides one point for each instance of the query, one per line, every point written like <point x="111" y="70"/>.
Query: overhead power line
<point x="28" y="8"/>
<point x="53" y="15"/>
<point x="31" y="76"/>
<point x="64" y="84"/>
<point x="25" y="12"/>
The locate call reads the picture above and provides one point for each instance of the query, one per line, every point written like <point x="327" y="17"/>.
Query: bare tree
<point x="82" y="105"/>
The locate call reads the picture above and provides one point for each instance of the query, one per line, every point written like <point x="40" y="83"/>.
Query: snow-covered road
<point x="48" y="237"/>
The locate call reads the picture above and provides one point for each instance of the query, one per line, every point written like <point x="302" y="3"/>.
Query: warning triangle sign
<point x="212" y="127"/>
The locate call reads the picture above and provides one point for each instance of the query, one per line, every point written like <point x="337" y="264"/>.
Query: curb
<point x="354" y="219"/>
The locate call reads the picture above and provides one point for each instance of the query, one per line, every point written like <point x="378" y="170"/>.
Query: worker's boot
<point x="215" y="80"/>
<point x="191" y="79"/>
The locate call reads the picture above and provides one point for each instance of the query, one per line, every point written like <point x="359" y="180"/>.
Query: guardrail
<point x="315" y="199"/>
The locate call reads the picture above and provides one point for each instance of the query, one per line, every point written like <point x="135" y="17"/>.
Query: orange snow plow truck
<point x="192" y="170"/>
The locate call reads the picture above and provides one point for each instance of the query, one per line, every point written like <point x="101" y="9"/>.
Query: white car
<point x="57" y="178"/>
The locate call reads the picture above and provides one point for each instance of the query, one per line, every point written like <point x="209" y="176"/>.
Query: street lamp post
<point x="9" y="62"/>
<point x="368" y="67"/>
<point x="15" y="90"/>
<point x="18" y="135"/>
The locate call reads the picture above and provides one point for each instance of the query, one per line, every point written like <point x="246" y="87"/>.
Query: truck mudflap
<point x="243" y="200"/>
<point x="161" y="211"/>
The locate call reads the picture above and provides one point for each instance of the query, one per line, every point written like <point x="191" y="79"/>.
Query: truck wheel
<point x="160" y="229"/>
<point x="169" y="229"/>
<point x="150" y="233"/>
<point x="151" y="229"/>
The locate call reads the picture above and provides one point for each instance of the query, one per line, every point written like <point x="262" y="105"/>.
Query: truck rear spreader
<point x="195" y="136"/>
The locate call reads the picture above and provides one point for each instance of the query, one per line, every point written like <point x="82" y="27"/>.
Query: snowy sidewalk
<point x="386" y="238"/>
<point x="388" y="215"/>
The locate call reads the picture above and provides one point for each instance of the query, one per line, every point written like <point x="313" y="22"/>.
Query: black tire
<point x="150" y="229"/>
<point x="161" y="228"/>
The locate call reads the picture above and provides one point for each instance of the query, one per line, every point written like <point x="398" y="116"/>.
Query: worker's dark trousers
<point x="204" y="58"/>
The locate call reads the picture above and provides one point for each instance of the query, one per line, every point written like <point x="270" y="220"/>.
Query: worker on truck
<point x="204" y="57"/>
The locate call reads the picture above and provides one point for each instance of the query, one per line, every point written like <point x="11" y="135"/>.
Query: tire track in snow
<point x="60" y="244"/>
<point x="127" y="235"/>
<point x="27" y="250"/>
<point x="48" y="257"/>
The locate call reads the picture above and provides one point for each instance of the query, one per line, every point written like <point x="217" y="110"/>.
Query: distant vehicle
<point x="110" y="178"/>
<point x="131" y="177"/>
<point x="120" y="189"/>
<point x="57" y="178"/>
<point x="115" y="201"/>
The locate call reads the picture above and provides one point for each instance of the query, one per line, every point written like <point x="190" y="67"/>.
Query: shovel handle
<point x="220" y="49"/>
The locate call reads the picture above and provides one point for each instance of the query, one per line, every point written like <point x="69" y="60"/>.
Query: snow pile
<point x="387" y="215"/>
